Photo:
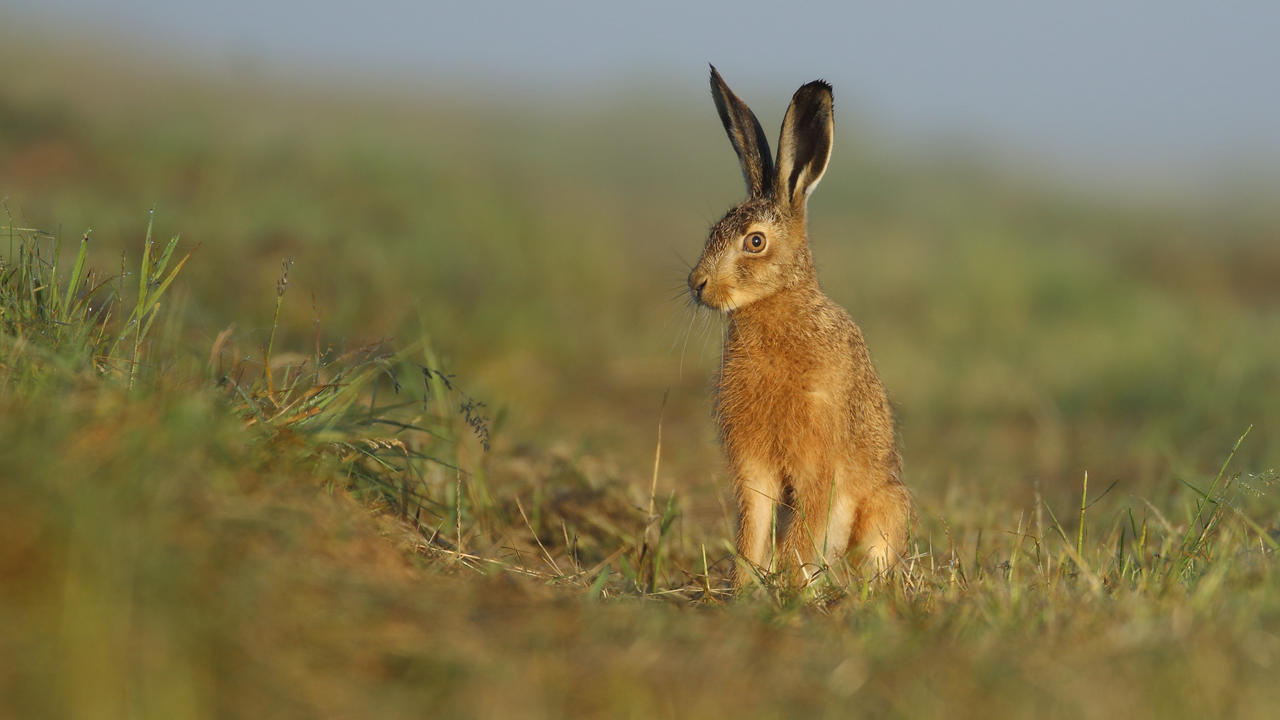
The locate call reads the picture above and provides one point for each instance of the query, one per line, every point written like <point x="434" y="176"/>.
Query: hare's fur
<point x="803" y="418"/>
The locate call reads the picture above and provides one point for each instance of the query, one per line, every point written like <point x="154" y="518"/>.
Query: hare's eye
<point x="753" y="243"/>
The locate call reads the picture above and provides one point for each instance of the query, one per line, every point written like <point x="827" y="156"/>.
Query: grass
<point x="444" y="458"/>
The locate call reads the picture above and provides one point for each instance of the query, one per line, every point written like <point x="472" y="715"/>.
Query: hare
<point x="803" y="418"/>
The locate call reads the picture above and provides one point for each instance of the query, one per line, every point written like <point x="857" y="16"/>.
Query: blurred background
<point x="1057" y="226"/>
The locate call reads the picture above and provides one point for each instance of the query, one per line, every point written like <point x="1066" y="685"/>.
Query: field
<point x="413" y="418"/>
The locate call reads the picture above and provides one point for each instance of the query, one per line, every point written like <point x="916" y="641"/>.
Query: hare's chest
<point x="777" y="401"/>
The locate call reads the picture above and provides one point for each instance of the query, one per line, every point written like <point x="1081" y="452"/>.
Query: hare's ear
<point x="805" y="145"/>
<point x="746" y="135"/>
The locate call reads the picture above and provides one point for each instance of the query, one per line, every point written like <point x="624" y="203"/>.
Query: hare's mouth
<point x="704" y="302"/>
<point x="719" y="298"/>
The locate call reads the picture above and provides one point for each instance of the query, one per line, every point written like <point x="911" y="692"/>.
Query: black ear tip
<point x="817" y="86"/>
<point x="818" y="91"/>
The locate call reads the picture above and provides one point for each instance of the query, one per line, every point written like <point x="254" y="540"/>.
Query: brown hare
<point x="806" y="428"/>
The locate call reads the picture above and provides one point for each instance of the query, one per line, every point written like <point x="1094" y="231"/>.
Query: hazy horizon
<point x="1137" y="87"/>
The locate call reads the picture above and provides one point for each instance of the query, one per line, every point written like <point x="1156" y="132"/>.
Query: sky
<point x="1158" y="85"/>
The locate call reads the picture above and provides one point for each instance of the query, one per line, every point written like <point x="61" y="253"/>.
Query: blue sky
<point x="1155" y="84"/>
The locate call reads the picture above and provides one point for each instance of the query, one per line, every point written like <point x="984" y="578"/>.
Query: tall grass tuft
<point x="79" y="321"/>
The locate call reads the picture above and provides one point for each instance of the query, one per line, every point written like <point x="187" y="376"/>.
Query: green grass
<point x="416" y="468"/>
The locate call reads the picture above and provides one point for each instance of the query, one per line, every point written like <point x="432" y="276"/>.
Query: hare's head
<point x="761" y="246"/>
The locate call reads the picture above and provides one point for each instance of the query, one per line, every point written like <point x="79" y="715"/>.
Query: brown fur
<point x="804" y="420"/>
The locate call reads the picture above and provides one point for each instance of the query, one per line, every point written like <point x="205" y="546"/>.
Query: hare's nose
<point x="697" y="283"/>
